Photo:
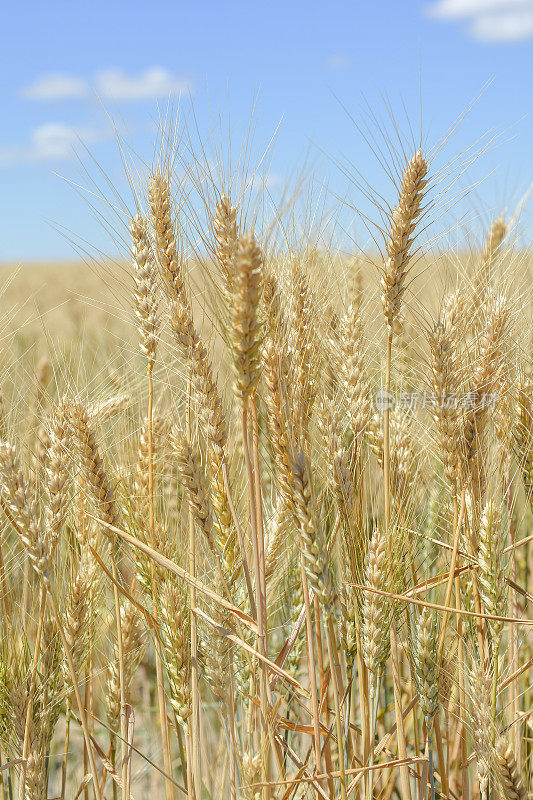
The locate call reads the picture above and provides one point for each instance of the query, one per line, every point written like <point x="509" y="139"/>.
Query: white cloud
<point x="55" y="86"/>
<point x="456" y="9"/>
<point x="489" y="20"/>
<point x="270" y="181"/>
<point x="504" y="27"/>
<point x="153" y="83"/>
<point x="110" y="84"/>
<point x="53" y="141"/>
<point x="338" y="62"/>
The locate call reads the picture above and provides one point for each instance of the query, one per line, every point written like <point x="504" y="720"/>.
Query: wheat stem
<point x="458" y="522"/>
<point x="260" y="602"/>
<point x="31" y="694"/>
<point x="402" y="739"/>
<point x="79" y="702"/>
<point x="337" y="689"/>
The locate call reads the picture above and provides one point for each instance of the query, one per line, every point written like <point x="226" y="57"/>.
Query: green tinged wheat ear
<point x="445" y="379"/>
<point x="278" y="424"/>
<point x="425" y="662"/>
<point x="49" y="702"/>
<point x="348" y="625"/>
<point x="523" y="433"/>
<point x="482" y="720"/>
<point x="277" y="546"/>
<point x="337" y="459"/>
<point x="352" y="378"/>
<point x="45" y="710"/>
<point x="245" y="322"/>
<point x="302" y="348"/>
<point x="376" y="609"/>
<point x="174" y="630"/>
<point x="399" y="243"/>
<point x="79" y="613"/>
<point x="492" y="575"/>
<point x="315" y="556"/>
<point x="295" y="605"/>
<point x="485" y="378"/>
<point x="217" y="650"/>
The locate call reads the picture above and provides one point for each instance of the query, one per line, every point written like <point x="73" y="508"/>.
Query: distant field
<point x="58" y="297"/>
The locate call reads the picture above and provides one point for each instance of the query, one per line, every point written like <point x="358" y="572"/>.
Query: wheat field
<point x="266" y="509"/>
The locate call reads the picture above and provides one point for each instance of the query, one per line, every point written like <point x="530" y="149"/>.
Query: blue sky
<point x="65" y="61"/>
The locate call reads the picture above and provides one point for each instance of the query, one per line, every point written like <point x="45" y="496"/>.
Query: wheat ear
<point x="403" y="223"/>
<point x="491" y="250"/>
<point x="484" y="380"/>
<point x="314" y="551"/>
<point x="425" y="662"/>
<point x="492" y="565"/>
<point x="166" y="247"/>
<point x="445" y="384"/>
<point x="225" y="230"/>
<point x="193" y="478"/>
<point x="245" y="322"/>
<point x="102" y="410"/>
<point x="511" y="782"/>
<point x="145" y="288"/>
<point x="482" y="716"/>
<point x="523" y="433"/>
<point x="133" y="637"/>
<point x="376" y="611"/>
<point x="351" y="363"/>
<point x="22" y="510"/>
